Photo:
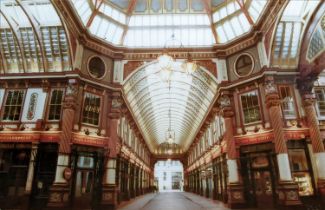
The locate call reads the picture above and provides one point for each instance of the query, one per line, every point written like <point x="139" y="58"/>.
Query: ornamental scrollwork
<point x="269" y="86"/>
<point x="72" y="90"/>
<point x="32" y="106"/>
<point x="224" y="101"/>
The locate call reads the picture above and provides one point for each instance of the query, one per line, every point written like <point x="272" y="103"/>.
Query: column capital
<point x="69" y="102"/>
<point x="272" y="99"/>
<point x="224" y="102"/>
<point x="305" y="84"/>
<point x="227" y="112"/>
<point x="308" y="100"/>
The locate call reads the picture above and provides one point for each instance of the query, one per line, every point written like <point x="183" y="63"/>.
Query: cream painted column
<point x="275" y="114"/>
<point x="315" y="135"/>
<point x="228" y="114"/>
<point x="60" y="190"/>
<point x="110" y="172"/>
<point x="235" y="187"/>
<point x="286" y="187"/>
<point x="31" y="168"/>
<point x="274" y="108"/>
<point x="62" y="163"/>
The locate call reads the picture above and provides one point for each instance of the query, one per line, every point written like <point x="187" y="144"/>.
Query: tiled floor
<point x="173" y="201"/>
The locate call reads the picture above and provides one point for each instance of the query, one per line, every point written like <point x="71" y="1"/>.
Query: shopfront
<point x="197" y="182"/>
<point x="14" y="162"/>
<point x="123" y="179"/>
<point x="301" y="169"/>
<point x="87" y="166"/>
<point x="258" y="172"/>
<point x="44" y="174"/>
<point x="220" y="178"/>
<point x="209" y="175"/>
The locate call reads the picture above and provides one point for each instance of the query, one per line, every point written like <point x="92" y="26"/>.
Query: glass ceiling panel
<point x="13" y="11"/>
<point x="152" y="23"/>
<point x="180" y="104"/>
<point x="231" y="22"/>
<point x="83" y="9"/>
<point x="289" y="31"/>
<point x="32" y="37"/>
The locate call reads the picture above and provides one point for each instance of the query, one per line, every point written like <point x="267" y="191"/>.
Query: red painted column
<point x="286" y="187"/>
<point x="316" y="141"/>
<point x="235" y="187"/>
<point x="60" y="190"/>
<point x="110" y="189"/>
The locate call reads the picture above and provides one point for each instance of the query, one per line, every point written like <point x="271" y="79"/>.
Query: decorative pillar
<point x="235" y="187"/>
<point x="286" y="187"/>
<point x="128" y="180"/>
<point x="60" y="190"/>
<point x="316" y="141"/>
<point x="31" y="169"/>
<point x="110" y="186"/>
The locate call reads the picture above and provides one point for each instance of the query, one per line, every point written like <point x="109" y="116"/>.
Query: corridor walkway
<point x="173" y="201"/>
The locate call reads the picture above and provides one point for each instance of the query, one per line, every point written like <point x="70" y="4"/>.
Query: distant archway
<point x="169" y="176"/>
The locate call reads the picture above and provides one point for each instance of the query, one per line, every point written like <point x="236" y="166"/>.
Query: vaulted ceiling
<point x="151" y="23"/>
<point x="178" y="104"/>
<point x="32" y="38"/>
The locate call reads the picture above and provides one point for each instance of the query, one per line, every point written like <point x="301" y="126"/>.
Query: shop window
<point x="91" y="109"/>
<point x="55" y="105"/>
<point x="287" y="102"/>
<point x="13" y="105"/>
<point x="13" y="171"/>
<point x="300" y="171"/>
<point x="320" y="105"/>
<point x="250" y="107"/>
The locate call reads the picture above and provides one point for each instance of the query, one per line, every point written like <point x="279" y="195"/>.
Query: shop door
<point x="263" y="189"/>
<point x="87" y="182"/>
<point x="44" y="174"/>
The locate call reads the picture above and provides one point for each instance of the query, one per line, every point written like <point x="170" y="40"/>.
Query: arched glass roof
<point x="151" y="23"/>
<point x="180" y="104"/>
<point x="32" y="37"/>
<point x="289" y="32"/>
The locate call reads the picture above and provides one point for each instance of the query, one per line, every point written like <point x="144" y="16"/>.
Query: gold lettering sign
<point x="32" y="106"/>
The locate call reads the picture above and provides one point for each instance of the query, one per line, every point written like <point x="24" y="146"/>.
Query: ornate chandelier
<point x="170" y="134"/>
<point x="166" y="61"/>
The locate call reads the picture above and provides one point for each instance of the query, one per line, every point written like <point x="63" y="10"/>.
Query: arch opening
<point x="167" y="99"/>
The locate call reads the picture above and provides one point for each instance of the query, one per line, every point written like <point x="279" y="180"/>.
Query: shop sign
<point x="9" y="137"/>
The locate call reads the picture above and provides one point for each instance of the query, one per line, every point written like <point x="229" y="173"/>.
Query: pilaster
<point x="110" y="185"/>
<point x="316" y="141"/>
<point x="286" y="187"/>
<point x="60" y="190"/>
<point x="235" y="187"/>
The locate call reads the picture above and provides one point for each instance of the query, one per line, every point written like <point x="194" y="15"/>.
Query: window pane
<point x="55" y="105"/>
<point x="13" y="105"/>
<point x="250" y="107"/>
<point x="91" y="109"/>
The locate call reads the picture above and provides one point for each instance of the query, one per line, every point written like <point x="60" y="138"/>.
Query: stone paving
<point x="173" y="201"/>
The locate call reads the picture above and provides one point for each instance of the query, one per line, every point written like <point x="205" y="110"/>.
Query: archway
<point x="167" y="101"/>
<point x="169" y="176"/>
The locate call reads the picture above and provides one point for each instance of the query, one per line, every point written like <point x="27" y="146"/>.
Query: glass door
<point x="44" y="174"/>
<point x="263" y="188"/>
<point x="262" y="178"/>
<point x="87" y="180"/>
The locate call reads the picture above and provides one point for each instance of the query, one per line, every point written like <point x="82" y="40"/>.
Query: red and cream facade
<point x="68" y="138"/>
